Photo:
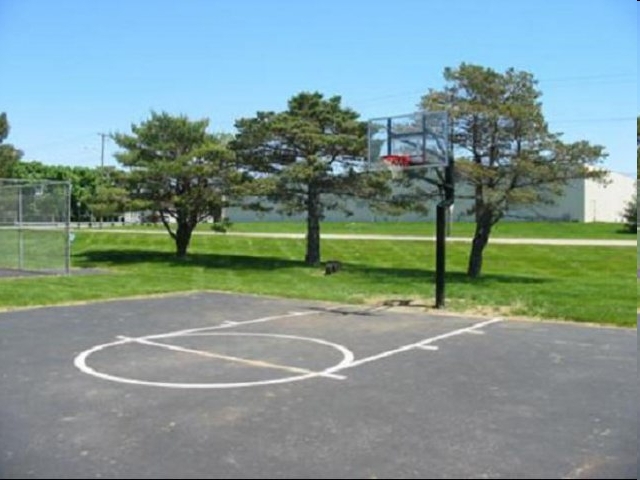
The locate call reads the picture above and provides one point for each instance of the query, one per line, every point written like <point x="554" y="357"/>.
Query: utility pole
<point x="102" y="172"/>
<point x="103" y="136"/>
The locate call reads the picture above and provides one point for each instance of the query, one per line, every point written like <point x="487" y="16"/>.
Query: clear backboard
<point x="415" y="140"/>
<point x="412" y="147"/>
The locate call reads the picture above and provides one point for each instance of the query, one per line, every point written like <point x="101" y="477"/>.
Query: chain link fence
<point x="35" y="226"/>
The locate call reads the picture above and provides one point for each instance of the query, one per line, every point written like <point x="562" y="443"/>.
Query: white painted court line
<point x="231" y="324"/>
<point x="433" y="348"/>
<point x="300" y="374"/>
<point x="348" y="360"/>
<point x="422" y="344"/>
<point x="253" y="363"/>
<point x="476" y="332"/>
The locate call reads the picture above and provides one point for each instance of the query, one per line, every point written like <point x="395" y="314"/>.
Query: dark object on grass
<point x="332" y="266"/>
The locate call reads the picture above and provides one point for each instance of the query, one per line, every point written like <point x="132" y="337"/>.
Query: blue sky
<point x="72" y="69"/>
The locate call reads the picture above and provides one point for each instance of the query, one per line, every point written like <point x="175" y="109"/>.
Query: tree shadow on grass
<point x="627" y="231"/>
<point x="416" y="274"/>
<point x="121" y="257"/>
<point x="114" y="258"/>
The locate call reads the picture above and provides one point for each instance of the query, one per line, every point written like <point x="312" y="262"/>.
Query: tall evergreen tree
<point x="178" y="170"/>
<point x="307" y="158"/>
<point x="630" y="214"/>
<point x="9" y="155"/>
<point x="503" y="146"/>
<point x="638" y="147"/>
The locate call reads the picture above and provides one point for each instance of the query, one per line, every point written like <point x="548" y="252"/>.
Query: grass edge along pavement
<point x="587" y="284"/>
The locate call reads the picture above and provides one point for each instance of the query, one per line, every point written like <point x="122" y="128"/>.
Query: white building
<point x="588" y="201"/>
<point x="582" y="201"/>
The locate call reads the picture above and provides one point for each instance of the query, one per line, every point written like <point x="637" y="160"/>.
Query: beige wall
<point x="583" y="201"/>
<point x="605" y="203"/>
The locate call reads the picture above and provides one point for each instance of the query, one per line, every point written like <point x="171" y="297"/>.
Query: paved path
<point x="409" y="238"/>
<point x="414" y="238"/>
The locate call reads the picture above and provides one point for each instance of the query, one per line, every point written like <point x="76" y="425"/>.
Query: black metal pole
<point x="441" y="232"/>
<point x="441" y="224"/>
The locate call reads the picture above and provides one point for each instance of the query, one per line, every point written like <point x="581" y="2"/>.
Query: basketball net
<point x="396" y="164"/>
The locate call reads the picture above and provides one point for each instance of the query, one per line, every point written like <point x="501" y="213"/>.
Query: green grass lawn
<point x="33" y="249"/>
<point x="458" y="229"/>
<point x="589" y="284"/>
<point x="611" y="231"/>
<point x="637" y="276"/>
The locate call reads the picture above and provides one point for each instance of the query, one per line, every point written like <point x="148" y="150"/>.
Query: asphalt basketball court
<point x="230" y="386"/>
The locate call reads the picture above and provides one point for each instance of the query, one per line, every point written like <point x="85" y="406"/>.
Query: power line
<point x="599" y="79"/>
<point x="594" y="120"/>
<point x="630" y="76"/>
<point x="46" y="145"/>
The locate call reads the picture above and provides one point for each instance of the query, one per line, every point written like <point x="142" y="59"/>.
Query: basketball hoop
<point x="396" y="163"/>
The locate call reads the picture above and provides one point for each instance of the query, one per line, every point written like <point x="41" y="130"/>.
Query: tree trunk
<point x="312" y="256"/>
<point x="216" y="213"/>
<point x="183" y="237"/>
<point x="485" y="219"/>
<point x="480" y="240"/>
